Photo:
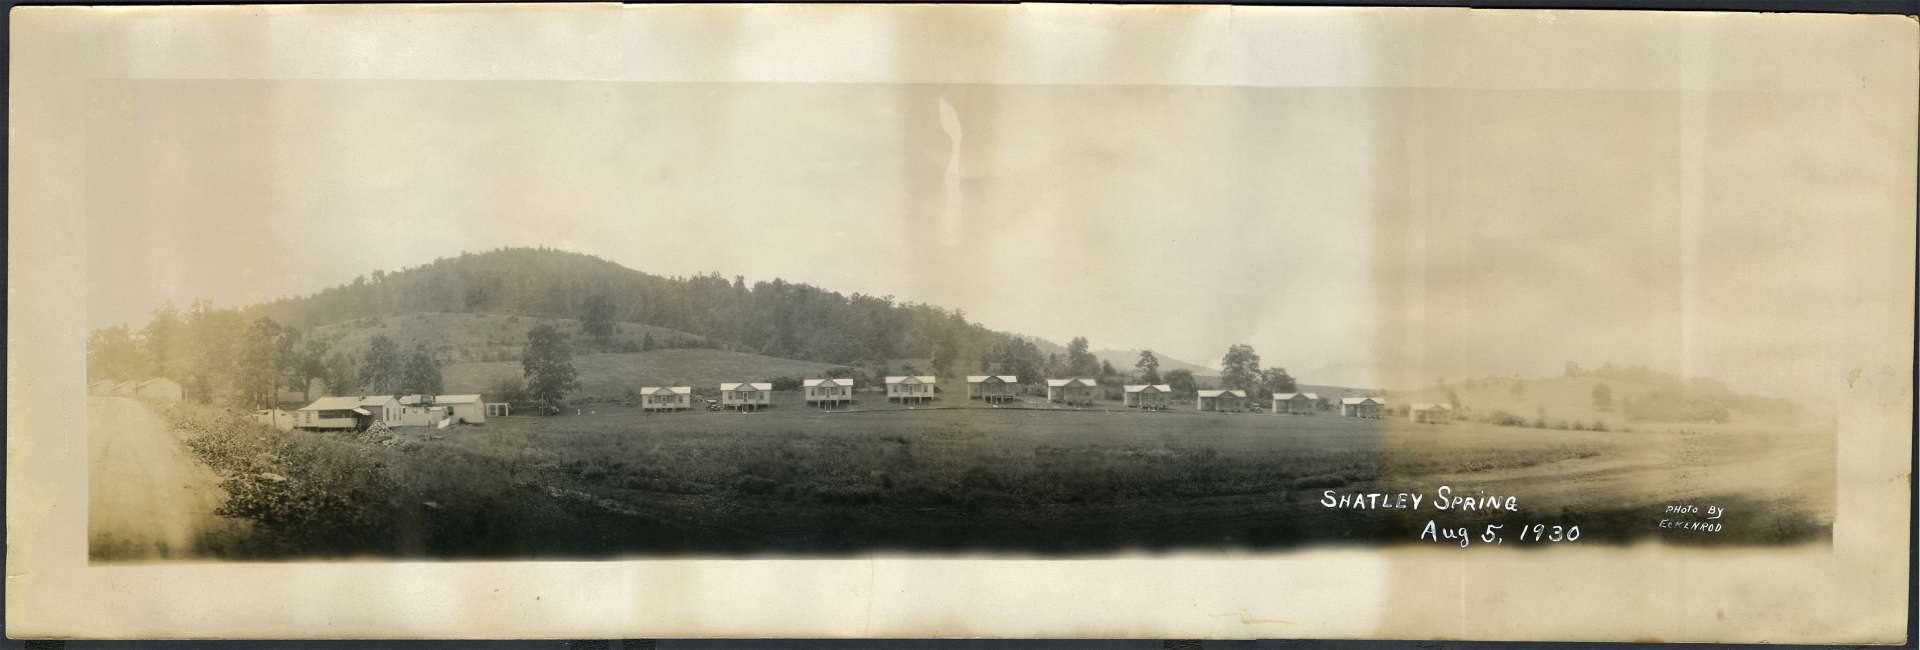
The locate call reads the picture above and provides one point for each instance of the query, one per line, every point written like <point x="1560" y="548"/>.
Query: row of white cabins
<point x="442" y="410"/>
<point x="919" y="389"/>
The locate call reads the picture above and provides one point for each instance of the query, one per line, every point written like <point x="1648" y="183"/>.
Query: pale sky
<point x="1361" y="237"/>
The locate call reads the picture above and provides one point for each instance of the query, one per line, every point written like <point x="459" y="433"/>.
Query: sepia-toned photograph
<point x="1029" y="321"/>
<point x="500" y="320"/>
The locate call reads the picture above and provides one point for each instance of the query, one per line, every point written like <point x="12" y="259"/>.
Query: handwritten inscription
<point x="1687" y="517"/>
<point x="1446" y="499"/>
<point x="1496" y="534"/>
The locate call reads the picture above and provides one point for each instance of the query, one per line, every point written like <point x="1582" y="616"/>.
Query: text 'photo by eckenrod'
<point x="574" y="320"/>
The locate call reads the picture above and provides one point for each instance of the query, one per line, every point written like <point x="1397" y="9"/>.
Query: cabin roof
<point x="755" y="385"/>
<point x="1072" y="381"/>
<point x="1223" y="393"/>
<point x="981" y="379"/>
<point x="333" y="404"/>
<point x="842" y="381"/>
<point x="666" y="390"/>
<point x="1136" y="388"/>
<point x="1361" y="400"/>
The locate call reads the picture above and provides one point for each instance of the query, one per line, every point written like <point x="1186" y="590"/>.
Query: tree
<point x="257" y="376"/>
<point x="1453" y="399"/>
<point x="421" y="374"/>
<point x="164" y="344"/>
<point x="312" y="363"/>
<point x="1181" y="381"/>
<point x="1276" y="380"/>
<point x="1147" y="369"/>
<point x="943" y="358"/>
<point x="509" y="389"/>
<point x="1080" y="361"/>
<point x="596" y="319"/>
<point x="646" y="342"/>
<point x="293" y="360"/>
<point x="1107" y="370"/>
<point x="1602" y="397"/>
<point x="380" y="369"/>
<point x="548" y="366"/>
<point x="113" y="354"/>
<point x="337" y="373"/>
<point x="213" y="342"/>
<point x="1240" y="368"/>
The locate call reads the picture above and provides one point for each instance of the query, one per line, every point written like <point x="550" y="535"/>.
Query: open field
<point x="794" y="480"/>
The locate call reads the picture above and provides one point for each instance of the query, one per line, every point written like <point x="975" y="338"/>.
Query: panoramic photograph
<point x="528" y="320"/>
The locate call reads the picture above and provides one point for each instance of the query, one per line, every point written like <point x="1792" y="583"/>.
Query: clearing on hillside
<point x="471" y="337"/>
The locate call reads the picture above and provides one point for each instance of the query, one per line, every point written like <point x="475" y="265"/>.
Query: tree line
<point x="221" y="356"/>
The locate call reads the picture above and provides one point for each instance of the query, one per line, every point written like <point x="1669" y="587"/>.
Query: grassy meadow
<point x="610" y="480"/>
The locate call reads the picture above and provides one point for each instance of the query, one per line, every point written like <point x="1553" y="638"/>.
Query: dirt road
<point x="147" y="496"/>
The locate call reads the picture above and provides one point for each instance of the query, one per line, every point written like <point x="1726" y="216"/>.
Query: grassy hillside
<point x="772" y="317"/>
<point x="1629" y="399"/>
<point x="612" y="375"/>
<point x="464" y="338"/>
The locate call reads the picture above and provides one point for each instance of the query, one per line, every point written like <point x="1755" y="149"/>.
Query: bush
<point x="308" y="492"/>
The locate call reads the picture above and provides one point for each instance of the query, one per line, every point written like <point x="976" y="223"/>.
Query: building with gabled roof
<point x="385" y="408"/>
<point x="1073" y="390"/>
<point x="1362" y="407"/>
<point x="1147" y="396"/>
<point x="333" y="413"/>
<point x="991" y="388"/>
<point x="910" y="388"/>
<point x="828" y="392"/>
<point x="1222" y="401"/>
<point x="1296" y="403"/>
<point x="747" y="395"/>
<point x="666" y="398"/>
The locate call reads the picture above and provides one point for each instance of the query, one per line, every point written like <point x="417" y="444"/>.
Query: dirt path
<point x="147" y="496"/>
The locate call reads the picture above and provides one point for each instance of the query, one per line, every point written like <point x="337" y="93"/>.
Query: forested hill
<point x="774" y="318"/>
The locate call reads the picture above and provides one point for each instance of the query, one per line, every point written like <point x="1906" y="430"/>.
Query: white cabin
<point x="912" y="388"/>
<point x="1295" y="403"/>
<point x="666" y="398"/>
<point x="750" y="395"/>
<point x="333" y="413"/>
<point x="1151" y="396"/>
<point x="1222" y="401"/>
<point x="1073" y="390"/>
<point x="991" y="388"/>
<point x="1361" y="407"/>
<point x="385" y="408"/>
<point x="828" y="392"/>
<point x="465" y="409"/>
